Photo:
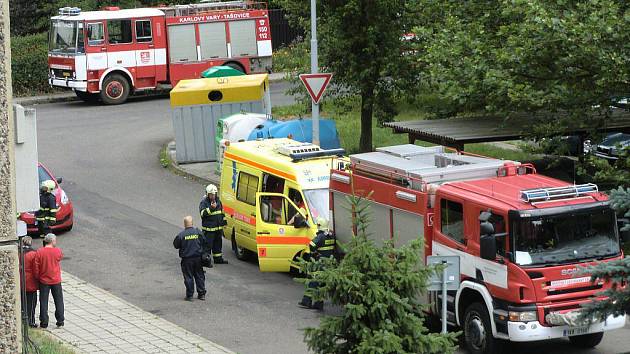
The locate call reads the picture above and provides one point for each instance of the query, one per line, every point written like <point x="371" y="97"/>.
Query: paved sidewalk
<point x="99" y="322"/>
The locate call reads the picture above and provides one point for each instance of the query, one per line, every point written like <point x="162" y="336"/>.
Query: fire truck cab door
<point x="96" y="48"/>
<point x="278" y="240"/>
<point x="120" y="44"/>
<point x="145" y="48"/>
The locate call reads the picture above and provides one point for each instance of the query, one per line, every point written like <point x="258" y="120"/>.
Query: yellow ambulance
<point x="272" y="191"/>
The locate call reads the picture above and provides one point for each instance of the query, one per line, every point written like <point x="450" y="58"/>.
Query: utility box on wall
<point x="26" y="173"/>
<point x="198" y="104"/>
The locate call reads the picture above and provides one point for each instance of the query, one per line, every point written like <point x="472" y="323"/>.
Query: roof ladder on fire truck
<point x="206" y="6"/>
<point x="542" y="194"/>
<point x="304" y="151"/>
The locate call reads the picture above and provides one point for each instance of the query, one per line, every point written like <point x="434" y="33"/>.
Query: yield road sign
<point x="316" y="85"/>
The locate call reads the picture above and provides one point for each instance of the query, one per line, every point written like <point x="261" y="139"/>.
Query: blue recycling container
<point x="300" y="130"/>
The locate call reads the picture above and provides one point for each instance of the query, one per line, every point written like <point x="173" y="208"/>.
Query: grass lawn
<point x="48" y="344"/>
<point x="347" y="118"/>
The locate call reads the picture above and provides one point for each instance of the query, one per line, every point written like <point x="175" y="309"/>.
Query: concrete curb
<point x="69" y="97"/>
<point x="176" y="169"/>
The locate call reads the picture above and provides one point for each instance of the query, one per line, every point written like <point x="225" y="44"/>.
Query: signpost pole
<point x="314" y="70"/>
<point x="444" y="277"/>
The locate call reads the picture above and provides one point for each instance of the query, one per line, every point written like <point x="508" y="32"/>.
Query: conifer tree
<point x="379" y="291"/>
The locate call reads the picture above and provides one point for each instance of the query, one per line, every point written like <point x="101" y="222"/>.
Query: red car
<point x="65" y="215"/>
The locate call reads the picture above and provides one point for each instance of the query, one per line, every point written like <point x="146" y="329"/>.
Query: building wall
<point x="10" y="333"/>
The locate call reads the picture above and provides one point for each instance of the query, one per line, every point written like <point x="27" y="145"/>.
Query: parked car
<point x="611" y="146"/>
<point x="65" y="215"/>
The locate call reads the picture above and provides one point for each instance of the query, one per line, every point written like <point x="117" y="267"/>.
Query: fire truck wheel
<point x="236" y="66"/>
<point x="241" y="253"/>
<point x="478" y="331"/>
<point x="115" y="89"/>
<point x="587" y="340"/>
<point x="86" y="96"/>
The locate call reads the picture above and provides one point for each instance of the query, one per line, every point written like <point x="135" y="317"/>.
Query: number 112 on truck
<point x="108" y="55"/>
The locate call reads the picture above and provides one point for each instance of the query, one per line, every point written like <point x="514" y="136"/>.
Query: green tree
<point x="527" y="55"/>
<point x="616" y="272"/>
<point x="360" y="42"/>
<point x="378" y="290"/>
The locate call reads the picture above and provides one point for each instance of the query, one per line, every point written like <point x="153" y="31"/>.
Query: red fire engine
<point x="522" y="238"/>
<point x="112" y="53"/>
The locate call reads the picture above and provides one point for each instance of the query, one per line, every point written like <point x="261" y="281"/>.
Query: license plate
<point x="575" y="331"/>
<point x="66" y="74"/>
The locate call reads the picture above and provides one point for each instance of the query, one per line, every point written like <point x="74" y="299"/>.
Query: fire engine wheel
<point x="478" y="331"/>
<point x="87" y="97"/>
<point x="587" y="340"/>
<point x="235" y="66"/>
<point x="115" y="89"/>
<point x="241" y="253"/>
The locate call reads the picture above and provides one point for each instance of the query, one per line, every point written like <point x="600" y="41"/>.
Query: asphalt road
<point x="128" y="209"/>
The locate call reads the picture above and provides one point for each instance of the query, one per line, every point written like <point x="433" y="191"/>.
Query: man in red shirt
<point x="48" y="271"/>
<point x="30" y="282"/>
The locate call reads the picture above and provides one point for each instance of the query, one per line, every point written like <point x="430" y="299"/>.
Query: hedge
<point x="29" y="64"/>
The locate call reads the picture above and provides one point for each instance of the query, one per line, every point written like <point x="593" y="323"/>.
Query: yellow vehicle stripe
<point x="262" y="167"/>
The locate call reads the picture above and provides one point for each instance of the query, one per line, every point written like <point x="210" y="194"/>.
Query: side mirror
<point x="624" y="230"/>
<point x="299" y="222"/>
<point x="59" y="180"/>
<point x="486" y="228"/>
<point x="488" y="247"/>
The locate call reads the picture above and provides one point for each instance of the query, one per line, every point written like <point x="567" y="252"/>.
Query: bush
<point x="29" y="64"/>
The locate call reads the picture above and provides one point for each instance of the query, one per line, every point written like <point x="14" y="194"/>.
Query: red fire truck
<point x="111" y="53"/>
<point x="522" y="238"/>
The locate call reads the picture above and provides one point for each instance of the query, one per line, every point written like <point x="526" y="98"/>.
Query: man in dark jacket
<point x="47" y="213"/>
<point x="323" y="245"/>
<point x="212" y="222"/>
<point x="189" y="244"/>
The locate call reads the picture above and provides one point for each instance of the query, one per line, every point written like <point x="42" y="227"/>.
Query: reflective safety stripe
<point x="326" y="248"/>
<point x="217" y="255"/>
<point x="206" y="210"/>
<point x="44" y="209"/>
<point x="54" y="210"/>
<point x="313" y="244"/>
<point x="211" y="228"/>
<point x="218" y="212"/>
<point x="329" y="242"/>
<point x="41" y="219"/>
<point x="51" y="219"/>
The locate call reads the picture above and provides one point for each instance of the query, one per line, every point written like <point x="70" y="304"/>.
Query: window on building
<point x="182" y="43"/>
<point x="95" y="33"/>
<point x="247" y="188"/>
<point x="119" y="31"/>
<point x="143" y="31"/>
<point x="452" y="220"/>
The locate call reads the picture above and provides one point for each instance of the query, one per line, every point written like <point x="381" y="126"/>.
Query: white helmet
<point x="322" y="224"/>
<point x="211" y="189"/>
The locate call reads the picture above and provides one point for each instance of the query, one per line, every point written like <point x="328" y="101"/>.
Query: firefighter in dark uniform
<point x="46" y="216"/>
<point x="323" y="245"/>
<point x="212" y="222"/>
<point x="189" y="244"/>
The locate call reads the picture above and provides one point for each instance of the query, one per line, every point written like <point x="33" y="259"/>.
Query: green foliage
<point x="360" y="42"/>
<point x="618" y="302"/>
<point x="29" y="64"/>
<point x="47" y="344"/>
<point x="616" y="272"/>
<point x="378" y="290"/>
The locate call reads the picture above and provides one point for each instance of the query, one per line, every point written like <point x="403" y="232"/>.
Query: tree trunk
<point x="367" y="110"/>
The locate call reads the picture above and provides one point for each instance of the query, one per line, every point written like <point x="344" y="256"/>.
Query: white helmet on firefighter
<point x="211" y="189"/>
<point x="322" y="224"/>
<point x="51" y="185"/>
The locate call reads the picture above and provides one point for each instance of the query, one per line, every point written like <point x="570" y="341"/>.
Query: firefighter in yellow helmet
<point x="46" y="216"/>
<point x="323" y="245"/>
<point x="212" y="223"/>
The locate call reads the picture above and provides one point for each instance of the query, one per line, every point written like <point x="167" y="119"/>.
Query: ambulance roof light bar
<point x="321" y="153"/>
<point x="69" y="11"/>
<point x="540" y="194"/>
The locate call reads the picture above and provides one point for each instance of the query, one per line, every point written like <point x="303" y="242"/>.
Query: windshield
<point x="317" y="201"/>
<point x="63" y="36"/>
<point x="566" y="237"/>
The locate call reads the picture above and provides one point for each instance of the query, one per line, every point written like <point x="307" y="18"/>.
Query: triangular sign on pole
<point x="316" y="85"/>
